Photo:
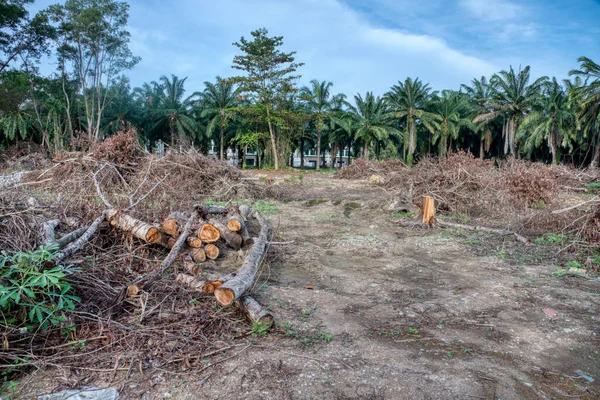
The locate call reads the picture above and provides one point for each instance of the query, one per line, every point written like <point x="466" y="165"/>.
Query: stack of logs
<point x="195" y="237"/>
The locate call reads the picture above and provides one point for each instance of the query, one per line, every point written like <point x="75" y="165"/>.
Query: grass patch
<point x="403" y="214"/>
<point x="552" y="239"/>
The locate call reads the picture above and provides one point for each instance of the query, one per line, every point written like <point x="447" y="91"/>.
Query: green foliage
<point x="265" y="207"/>
<point x="559" y="273"/>
<point x="259" y="329"/>
<point x="593" y="186"/>
<point x="403" y="214"/>
<point x="32" y="293"/>
<point x="573" y="264"/>
<point x="552" y="239"/>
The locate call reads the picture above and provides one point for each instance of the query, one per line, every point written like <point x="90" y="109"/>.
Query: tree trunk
<point x="237" y="224"/>
<point x="366" y="150"/>
<point x="254" y="311"/>
<point x="209" y="233"/>
<point x="139" y="229"/>
<point x="173" y="223"/>
<point x="302" y="152"/>
<point x="273" y="143"/>
<point x="233" y="240"/>
<point x="222" y="138"/>
<point x="348" y="157"/>
<point x="318" y="146"/>
<point x="236" y="287"/>
<point x="212" y="251"/>
<point x="481" y="148"/>
<point x="412" y="145"/>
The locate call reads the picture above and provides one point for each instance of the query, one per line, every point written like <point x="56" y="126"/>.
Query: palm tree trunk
<point x="301" y="152"/>
<point x="481" y="148"/>
<point x="348" y="157"/>
<point x="366" y="150"/>
<point x="221" y="139"/>
<point x="318" y="145"/>
<point x="172" y="127"/>
<point x="412" y="145"/>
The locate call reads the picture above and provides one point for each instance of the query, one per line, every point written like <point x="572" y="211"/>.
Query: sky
<point x="365" y="45"/>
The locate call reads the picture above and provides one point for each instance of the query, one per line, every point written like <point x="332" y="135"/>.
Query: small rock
<point x="167" y="395"/>
<point x="83" y="394"/>
<point x="568" y="330"/>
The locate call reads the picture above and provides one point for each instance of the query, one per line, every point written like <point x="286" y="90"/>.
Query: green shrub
<point x="32" y="294"/>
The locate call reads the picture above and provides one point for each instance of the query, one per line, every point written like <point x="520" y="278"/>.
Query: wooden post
<point x="428" y="211"/>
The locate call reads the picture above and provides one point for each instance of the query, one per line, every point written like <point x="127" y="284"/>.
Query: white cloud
<point x="492" y="10"/>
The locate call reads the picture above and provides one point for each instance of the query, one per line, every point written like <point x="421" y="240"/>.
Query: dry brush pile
<point x="515" y="194"/>
<point x="147" y="259"/>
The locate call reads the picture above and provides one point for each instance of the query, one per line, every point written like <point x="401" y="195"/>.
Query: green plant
<point x="573" y="264"/>
<point x="552" y="238"/>
<point x="472" y="240"/>
<point x="265" y="207"/>
<point x="502" y="254"/>
<point x="259" y="329"/>
<point x="413" y="331"/>
<point x="593" y="186"/>
<point x="559" y="272"/>
<point x="403" y="214"/>
<point x="31" y="293"/>
<point x="540" y="204"/>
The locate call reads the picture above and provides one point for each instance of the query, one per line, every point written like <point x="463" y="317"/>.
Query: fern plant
<point x="31" y="294"/>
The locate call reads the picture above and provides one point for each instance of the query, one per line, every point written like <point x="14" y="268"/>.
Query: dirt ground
<point x="370" y="308"/>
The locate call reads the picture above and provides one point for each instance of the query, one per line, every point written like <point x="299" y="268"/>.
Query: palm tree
<point x="512" y="97"/>
<point x="450" y="116"/>
<point x="480" y="96"/>
<point x="218" y="104"/>
<point x="585" y="101"/>
<point x="320" y="103"/>
<point x="408" y="101"/>
<point x="173" y="110"/>
<point x="370" y="120"/>
<point x="550" y="120"/>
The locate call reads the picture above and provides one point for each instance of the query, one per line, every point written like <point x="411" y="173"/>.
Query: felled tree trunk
<point x="70" y="237"/>
<point x="237" y="224"/>
<point x="233" y="289"/>
<point x="233" y="240"/>
<point x="254" y="311"/>
<point x="190" y="266"/>
<point x="244" y="211"/>
<point x="139" y="229"/>
<point x="198" y="255"/>
<point x="212" y="251"/>
<point x="190" y="281"/>
<point x="83" y="239"/>
<point x="194" y="241"/>
<point x="209" y="233"/>
<point x="48" y="234"/>
<point x="173" y="223"/>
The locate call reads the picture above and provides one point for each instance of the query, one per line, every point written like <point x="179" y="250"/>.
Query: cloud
<point x="492" y="10"/>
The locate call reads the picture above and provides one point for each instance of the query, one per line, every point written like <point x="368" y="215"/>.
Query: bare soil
<point x="368" y="308"/>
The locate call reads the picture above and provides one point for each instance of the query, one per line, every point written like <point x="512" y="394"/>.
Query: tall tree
<point x="93" y="37"/>
<point x="370" y="120"/>
<point x="450" y="115"/>
<point x="173" y="111"/>
<point x="512" y="97"/>
<point x="269" y="74"/>
<point x="551" y="120"/>
<point x="219" y="102"/>
<point x="480" y="98"/>
<point x="585" y="101"/>
<point x="320" y="103"/>
<point x="409" y="102"/>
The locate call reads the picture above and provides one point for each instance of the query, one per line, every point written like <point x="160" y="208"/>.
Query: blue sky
<point x="363" y="45"/>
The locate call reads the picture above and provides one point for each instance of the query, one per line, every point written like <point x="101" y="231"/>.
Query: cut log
<point x="48" y="234"/>
<point x="232" y="239"/>
<point x="254" y="311"/>
<point x="236" y="287"/>
<point x="190" y="266"/>
<point x="194" y="241"/>
<point x="83" y="239"/>
<point x="237" y="224"/>
<point x="208" y="233"/>
<point x="428" y="211"/>
<point x="70" y="237"/>
<point x="173" y="223"/>
<point x="210" y="286"/>
<point x="190" y="281"/>
<point x="198" y="255"/>
<point x="520" y="238"/>
<point x="212" y="251"/>
<point x="244" y="211"/>
<point x="147" y="281"/>
<point x="139" y="229"/>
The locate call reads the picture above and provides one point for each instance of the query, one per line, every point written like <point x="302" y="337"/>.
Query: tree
<point x="92" y="35"/>
<point x="551" y="120"/>
<point x="22" y="38"/>
<point x="585" y="101"/>
<point x="449" y="117"/>
<point x="480" y="98"/>
<point x="512" y="97"/>
<point x="320" y="103"/>
<point x="269" y="74"/>
<point x="219" y="102"/>
<point x="408" y="101"/>
<point x="370" y="120"/>
<point x="173" y="111"/>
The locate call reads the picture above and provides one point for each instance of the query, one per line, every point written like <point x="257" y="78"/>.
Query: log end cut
<point x="224" y="296"/>
<point x="153" y="235"/>
<point x="209" y="233"/>
<point x="234" y="225"/>
<point x="211" y="251"/>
